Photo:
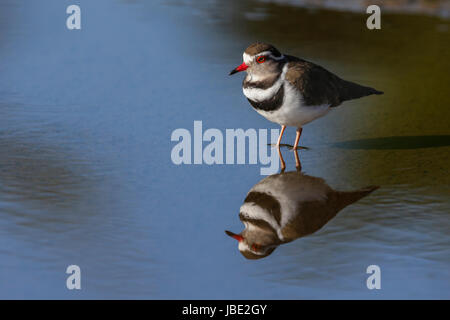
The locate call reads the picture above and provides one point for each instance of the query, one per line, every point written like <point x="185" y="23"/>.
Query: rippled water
<point x="86" y="176"/>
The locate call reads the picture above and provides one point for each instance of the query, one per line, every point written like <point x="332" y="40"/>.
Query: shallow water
<point x="86" y="176"/>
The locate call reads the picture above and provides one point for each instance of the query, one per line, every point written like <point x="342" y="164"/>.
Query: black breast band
<point x="271" y="104"/>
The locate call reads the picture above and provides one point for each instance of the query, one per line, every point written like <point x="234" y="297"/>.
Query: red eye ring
<point x="260" y="59"/>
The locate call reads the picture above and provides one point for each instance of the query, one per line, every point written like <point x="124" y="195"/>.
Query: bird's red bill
<point x="239" y="68"/>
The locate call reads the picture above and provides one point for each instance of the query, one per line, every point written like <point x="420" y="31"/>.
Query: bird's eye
<point x="260" y="59"/>
<point x="256" y="247"/>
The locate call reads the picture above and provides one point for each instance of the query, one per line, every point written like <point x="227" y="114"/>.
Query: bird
<point x="286" y="206"/>
<point x="291" y="91"/>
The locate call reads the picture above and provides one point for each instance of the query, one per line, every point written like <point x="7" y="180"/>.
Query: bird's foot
<point x="279" y="145"/>
<point x="297" y="148"/>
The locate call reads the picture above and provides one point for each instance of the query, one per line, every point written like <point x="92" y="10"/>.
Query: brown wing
<point x="311" y="216"/>
<point x="319" y="86"/>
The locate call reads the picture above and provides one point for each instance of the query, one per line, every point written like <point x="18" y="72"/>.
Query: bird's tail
<point x="346" y="198"/>
<point x="351" y="90"/>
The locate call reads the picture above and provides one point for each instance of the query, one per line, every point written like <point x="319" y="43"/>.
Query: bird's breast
<point x="267" y="100"/>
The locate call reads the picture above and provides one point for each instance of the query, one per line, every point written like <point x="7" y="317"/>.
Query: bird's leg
<point x="283" y="164"/>
<point x="297" y="138"/>
<point x="281" y="135"/>
<point x="298" y="165"/>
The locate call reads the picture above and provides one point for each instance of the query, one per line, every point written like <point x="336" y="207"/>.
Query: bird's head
<point x="251" y="247"/>
<point x="260" y="59"/>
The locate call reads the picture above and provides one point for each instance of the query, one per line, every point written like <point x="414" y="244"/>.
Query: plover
<point x="287" y="206"/>
<point x="291" y="91"/>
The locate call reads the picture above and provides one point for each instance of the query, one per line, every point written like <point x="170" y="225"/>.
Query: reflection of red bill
<point x="234" y="235"/>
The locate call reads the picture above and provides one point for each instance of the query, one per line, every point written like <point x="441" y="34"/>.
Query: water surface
<point x="86" y="176"/>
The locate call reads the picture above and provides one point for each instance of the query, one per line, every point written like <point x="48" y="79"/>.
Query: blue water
<point x="86" y="176"/>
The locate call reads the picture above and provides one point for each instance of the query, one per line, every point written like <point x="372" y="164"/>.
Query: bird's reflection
<point x="286" y="206"/>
